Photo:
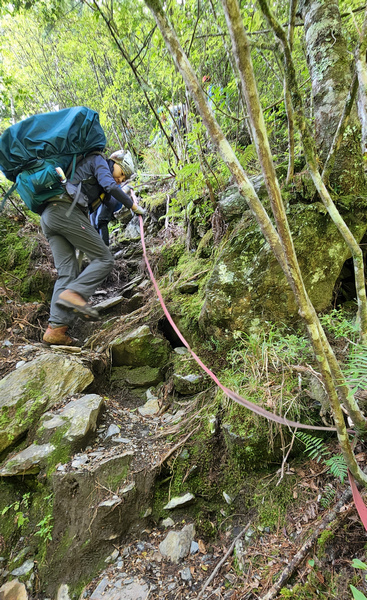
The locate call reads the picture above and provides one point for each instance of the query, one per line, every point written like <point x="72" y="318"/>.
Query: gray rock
<point x="188" y="385"/>
<point x="151" y="407"/>
<point x="180" y="501"/>
<point x="112" y="430"/>
<point x="115" y="554"/>
<point x="132" y="230"/>
<point x="232" y="204"/>
<point x="63" y="592"/>
<point x="77" y="419"/>
<point x="28" y="461"/>
<point x="186" y="574"/>
<point x="79" y="461"/>
<point x="247" y="287"/>
<point x="177" y="543"/>
<point x="24" y="569"/>
<point x="13" y="590"/>
<point x="112" y="502"/>
<point x="25" y="394"/>
<point x="98" y="592"/>
<point x="181" y="350"/>
<point x="168" y="522"/>
<point x="109" y="303"/>
<point x="128" y="590"/>
<point x="194" y="548"/>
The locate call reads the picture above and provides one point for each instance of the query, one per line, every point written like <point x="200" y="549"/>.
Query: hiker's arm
<point x="107" y="182"/>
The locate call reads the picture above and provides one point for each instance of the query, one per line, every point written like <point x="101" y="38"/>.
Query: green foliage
<point x="316" y="449"/>
<point x="355" y="370"/>
<point x="20" y="508"/>
<point x="259" y="368"/>
<point x="357" y="595"/>
<point x="339" y="323"/>
<point x="358" y="564"/>
<point x="45" y="528"/>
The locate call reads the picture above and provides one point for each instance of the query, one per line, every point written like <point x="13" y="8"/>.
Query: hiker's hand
<point x="138" y="210"/>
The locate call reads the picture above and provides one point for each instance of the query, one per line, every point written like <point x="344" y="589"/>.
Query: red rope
<point x="358" y="500"/>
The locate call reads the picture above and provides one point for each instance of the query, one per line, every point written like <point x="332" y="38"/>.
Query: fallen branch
<point x="298" y="558"/>
<point x="172" y="450"/>
<point x="228" y="553"/>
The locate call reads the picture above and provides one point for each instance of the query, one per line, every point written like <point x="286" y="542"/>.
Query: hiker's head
<point x="123" y="166"/>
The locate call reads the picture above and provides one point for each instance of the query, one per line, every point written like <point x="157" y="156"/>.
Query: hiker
<point x="101" y="217"/>
<point x="69" y="229"/>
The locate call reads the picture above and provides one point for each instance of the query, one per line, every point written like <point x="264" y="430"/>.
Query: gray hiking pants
<point x="65" y="235"/>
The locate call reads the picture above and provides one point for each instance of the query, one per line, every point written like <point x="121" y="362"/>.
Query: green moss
<point x="323" y="541"/>
<point x="15" y="254"/>
<point x="15" y="420"/>
<point x="114" y="480"/>
<point x="169" y="255"/>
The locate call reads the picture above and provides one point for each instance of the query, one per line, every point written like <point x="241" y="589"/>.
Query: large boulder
<point x="140" y="347"/>
<point x="33" y="388"/>
<point x="247" y="285"/>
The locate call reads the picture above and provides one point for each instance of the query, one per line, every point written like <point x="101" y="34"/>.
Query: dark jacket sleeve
<point x="107" y="182"/>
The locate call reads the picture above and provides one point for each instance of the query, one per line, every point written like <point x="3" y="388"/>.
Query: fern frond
<point x="315" y="447"/>
<point x="337" y="466"/>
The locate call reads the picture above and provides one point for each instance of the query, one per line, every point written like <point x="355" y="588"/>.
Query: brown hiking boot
<point x="73" y="301"/>
<point x="57" y="336"/>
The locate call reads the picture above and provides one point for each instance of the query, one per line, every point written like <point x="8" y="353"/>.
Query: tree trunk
<point x="330" y="67"/>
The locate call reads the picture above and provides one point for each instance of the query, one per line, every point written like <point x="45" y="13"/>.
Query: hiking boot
<point x="57" y="336"/>
<point x="73" y="301"/>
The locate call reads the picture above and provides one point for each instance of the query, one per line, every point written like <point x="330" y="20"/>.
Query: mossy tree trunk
<point x="281" y="242"/>
<point x="331" y="70"/>
<point x="361" y="70"/>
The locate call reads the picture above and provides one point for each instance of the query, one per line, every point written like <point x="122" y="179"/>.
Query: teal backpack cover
<point x="31" y="150"/>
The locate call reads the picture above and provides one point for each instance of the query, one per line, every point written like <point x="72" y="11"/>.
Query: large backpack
<point x="31" y="150"/>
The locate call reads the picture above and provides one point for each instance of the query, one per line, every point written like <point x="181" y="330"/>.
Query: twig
<point x="288" y="571"/>
<point x="228" y="553"/>
<point x="172" y="450"/>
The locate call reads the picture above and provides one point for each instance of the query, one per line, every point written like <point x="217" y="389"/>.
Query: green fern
<point x="314" y="447"/>
<point x="337" y="466"/>
<point x="356" y="369"/>
<point x="328" y="496"/>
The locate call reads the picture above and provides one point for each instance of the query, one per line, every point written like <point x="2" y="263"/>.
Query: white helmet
<point x="124" y="160"/>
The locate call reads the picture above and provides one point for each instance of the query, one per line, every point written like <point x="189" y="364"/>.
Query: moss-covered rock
<point x="139" y="377"/>
<point x="247" y="285"/>
<point x="140" y="347"/>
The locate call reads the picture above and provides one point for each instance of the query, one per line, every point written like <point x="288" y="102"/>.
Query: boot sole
<point x="85" y="312"/>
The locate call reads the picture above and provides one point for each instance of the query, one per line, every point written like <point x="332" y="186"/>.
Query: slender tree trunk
<point x="287" y="95"/>
<point x="281" y="244"/>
